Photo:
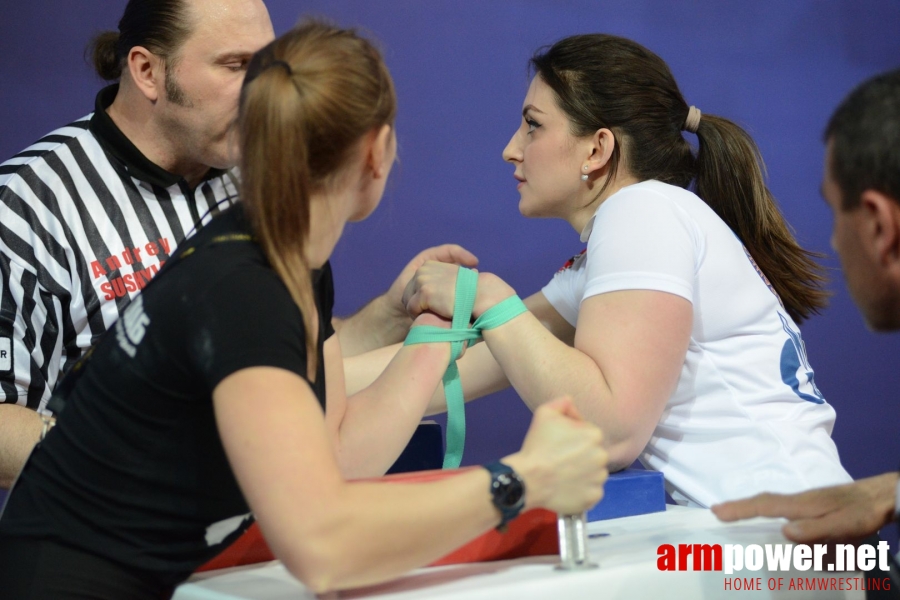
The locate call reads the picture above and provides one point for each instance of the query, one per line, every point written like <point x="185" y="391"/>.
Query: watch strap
<point x="505" y="480"/>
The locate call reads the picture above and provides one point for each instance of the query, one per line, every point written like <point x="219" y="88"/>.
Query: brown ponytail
<point x="604" y="81"/>
<point x="731" y="179"/>
<point x="308" y="99"/>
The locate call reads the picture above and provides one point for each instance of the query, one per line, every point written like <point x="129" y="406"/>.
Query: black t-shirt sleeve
<point x="246" y="319"/>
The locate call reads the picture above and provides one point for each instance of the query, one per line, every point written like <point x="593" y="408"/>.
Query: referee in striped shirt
<point x="91" y="212"/>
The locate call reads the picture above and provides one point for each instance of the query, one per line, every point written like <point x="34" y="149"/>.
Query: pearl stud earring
<point x="584" y="176"/>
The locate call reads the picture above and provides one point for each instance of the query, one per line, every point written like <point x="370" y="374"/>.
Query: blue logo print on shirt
<point x="793" y="353"/>
<point x="793" y="358"/>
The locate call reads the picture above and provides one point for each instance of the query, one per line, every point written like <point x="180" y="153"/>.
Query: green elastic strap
<point x="459" y="335"/>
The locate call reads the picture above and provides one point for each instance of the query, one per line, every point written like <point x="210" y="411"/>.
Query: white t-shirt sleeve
<point x="562" y="293"/>
<point x="642" y="240"/>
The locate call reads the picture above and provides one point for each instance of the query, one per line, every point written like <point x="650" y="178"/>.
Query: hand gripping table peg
<point x="573" y="538"/>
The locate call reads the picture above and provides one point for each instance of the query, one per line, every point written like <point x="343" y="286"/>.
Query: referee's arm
<point x="20" y="429"/>
<point x="20" y="395"/>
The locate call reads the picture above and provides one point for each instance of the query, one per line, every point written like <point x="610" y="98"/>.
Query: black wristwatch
<point x="507" y="492"/>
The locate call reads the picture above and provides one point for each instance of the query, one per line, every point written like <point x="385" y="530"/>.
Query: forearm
<point x="479" y="374"/>
<point x="620" y="365"/>
<point x="20" y="430"/>
<point x="540" y="367"/>
<point x="368" y="532"/>
<point x="333" y="534"/>
<point x="361" y="370"/>
<point x="376" y="325"/>
<point x="373" y="532"/>
<point x="381" y="418"/>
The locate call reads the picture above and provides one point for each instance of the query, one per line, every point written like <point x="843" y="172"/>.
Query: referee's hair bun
<point x="104" y="53"/>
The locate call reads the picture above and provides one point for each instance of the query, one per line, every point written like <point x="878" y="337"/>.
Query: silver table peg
<point x="573" y="549"/>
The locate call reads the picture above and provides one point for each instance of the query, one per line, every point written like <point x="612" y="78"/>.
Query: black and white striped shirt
<point x="85" y="221"/>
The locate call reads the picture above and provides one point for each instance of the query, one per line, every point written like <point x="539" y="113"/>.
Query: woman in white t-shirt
<point x="676" y="330"/>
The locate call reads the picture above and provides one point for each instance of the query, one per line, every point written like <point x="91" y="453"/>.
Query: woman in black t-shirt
<point x="220" y="392"/>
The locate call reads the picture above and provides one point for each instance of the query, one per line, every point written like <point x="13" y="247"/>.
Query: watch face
<point x="508" y="490"/>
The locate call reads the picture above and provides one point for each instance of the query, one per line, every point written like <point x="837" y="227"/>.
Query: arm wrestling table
<point x="625" y="548"/>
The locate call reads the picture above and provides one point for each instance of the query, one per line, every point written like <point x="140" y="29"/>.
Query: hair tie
<point x="692" y="122"/>
<point x="283" y="65"/>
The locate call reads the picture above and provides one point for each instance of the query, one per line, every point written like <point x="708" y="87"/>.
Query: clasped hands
<point x="432" y="289"/>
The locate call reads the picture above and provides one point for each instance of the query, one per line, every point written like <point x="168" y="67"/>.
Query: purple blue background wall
<point x="778" y="68"/>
